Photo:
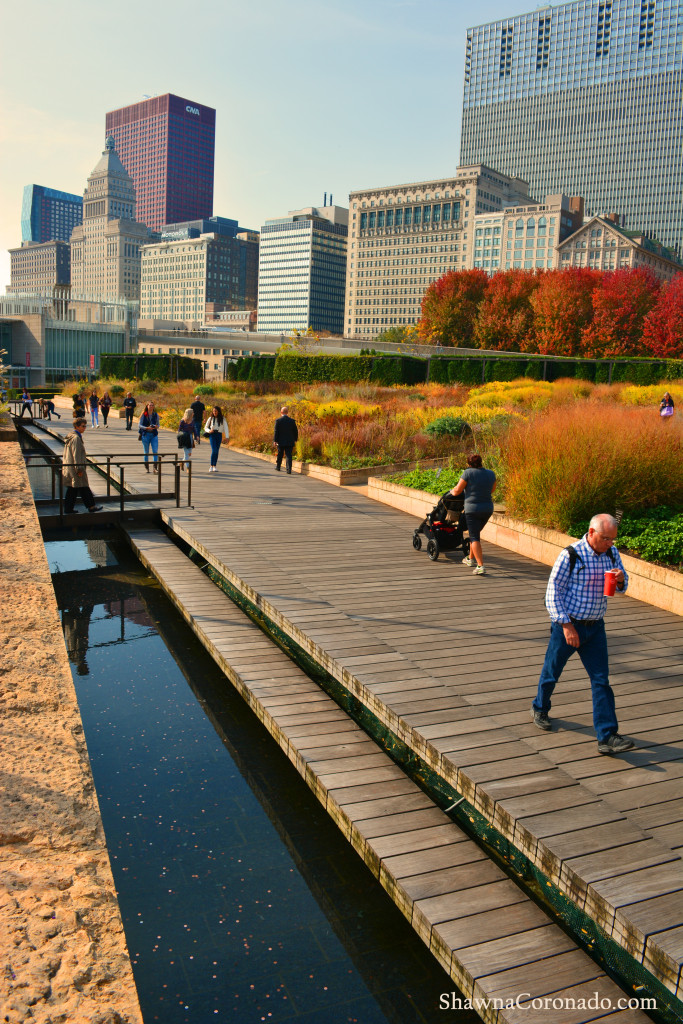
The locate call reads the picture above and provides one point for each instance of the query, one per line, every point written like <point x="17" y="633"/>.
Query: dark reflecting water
<point x="241" y="902"/>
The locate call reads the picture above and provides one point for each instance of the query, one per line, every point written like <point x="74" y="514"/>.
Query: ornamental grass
<point x="571" y="462"/>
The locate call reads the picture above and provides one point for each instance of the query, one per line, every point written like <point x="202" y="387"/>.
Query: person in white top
<point x="217" y="428"/>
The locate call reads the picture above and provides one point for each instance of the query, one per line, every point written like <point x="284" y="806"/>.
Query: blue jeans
<point x="593" y="653"/>
<point x="215" y="437"/>
<point x="150" y="440"/>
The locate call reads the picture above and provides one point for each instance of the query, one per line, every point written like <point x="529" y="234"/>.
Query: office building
<point x="38" y="267"/>
<point x="167" y="145"/>
<point x="105" y="248"/>
<point x="526" y="236"/>
<point x="585" y="98"/>
<point x="203" y="226"/>
<point x="181" y="277"/>
<point x="602" y="244"/>
<point x="302" y="271"/>
<point x="403" y="237"/>
<point x="47" y="214"/>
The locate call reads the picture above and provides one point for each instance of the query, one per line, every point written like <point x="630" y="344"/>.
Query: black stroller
<point x="444" y="527"/>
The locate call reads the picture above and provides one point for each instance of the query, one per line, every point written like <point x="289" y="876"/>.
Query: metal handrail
<point x="54" y="461"/>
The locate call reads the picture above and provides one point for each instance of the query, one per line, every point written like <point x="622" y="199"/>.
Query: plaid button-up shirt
<point x="580" y="596"/>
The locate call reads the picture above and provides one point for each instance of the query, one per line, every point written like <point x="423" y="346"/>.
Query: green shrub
<point x="203" y="389"/>
<point x="534" y="369"/>
<point x="433" y="481"/>
<point x="656" y="536"/>
<point x="231" y="371"/>
<point x="448" y="426"/>
<point x="504" y="369"/>
<point x="161" y="367"/>
<point x="148" y="385"/>
<point x="116" y="389"/>
<point x="465" y="371"/>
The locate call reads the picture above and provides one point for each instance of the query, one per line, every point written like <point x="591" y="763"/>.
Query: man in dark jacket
<point x="129" y="404"/>
<point x="198" y="409"/>
<point x="286" y="436"/>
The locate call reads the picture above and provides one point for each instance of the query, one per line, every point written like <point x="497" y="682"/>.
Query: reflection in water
<point x="241" y="901"/>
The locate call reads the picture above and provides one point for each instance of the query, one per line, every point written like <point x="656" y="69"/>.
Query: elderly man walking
<point x="286" y="436"/>
<point x="576" y="602"/>
<point x="74" y="471"/>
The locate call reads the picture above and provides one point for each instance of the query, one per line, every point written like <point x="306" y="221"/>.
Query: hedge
<point x="388" y="369"/>
<point x="161" y="367"/>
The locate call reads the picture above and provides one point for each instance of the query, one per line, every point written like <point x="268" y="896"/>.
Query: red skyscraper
<point x="167" y="145"/>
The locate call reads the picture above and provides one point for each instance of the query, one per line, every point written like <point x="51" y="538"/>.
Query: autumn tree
<point x="663" y="328"/>
<point x="563" y="308"/>
<point x="621" y="303"/>
<point x="505" y="318"/>
<point x="449" y="307"/>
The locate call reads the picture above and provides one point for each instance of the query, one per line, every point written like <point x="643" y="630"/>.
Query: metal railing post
<point x="121" y="481"/>
<point x="109" y="476"/>
<point x="54" y="468"/>
<point x="189" y="481"/>
<point x="61" y="500"/>
<point x="177" y="483"/>
<point x="159" y="465"/>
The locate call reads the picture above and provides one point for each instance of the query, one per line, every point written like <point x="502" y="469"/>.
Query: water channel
<point x="240" y="899"/>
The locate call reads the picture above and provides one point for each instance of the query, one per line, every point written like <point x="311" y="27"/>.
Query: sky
<point x="311" y="97"/>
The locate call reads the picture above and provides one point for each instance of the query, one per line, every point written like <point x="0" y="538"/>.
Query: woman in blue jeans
<point x="217" y="428"/>
<point x="149" y="434"/>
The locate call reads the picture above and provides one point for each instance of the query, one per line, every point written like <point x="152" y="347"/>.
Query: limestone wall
<point x="62" y="947"/>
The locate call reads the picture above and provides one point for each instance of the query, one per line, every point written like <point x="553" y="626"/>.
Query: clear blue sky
<point x="311" y="97"/>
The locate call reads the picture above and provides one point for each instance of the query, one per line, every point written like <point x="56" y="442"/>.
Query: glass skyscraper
<point x="167" y="145"/>
<point x="584" y="98"/>
<point x="48" y="215"/>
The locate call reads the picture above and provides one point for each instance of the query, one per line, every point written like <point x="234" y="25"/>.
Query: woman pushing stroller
<point x="478" y="484"/>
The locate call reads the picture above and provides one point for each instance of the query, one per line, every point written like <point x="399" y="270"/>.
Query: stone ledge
<point x="653" y="584"/>
<point x="61" y="934"/>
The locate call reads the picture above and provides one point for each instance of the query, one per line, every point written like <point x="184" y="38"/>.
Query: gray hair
<point x="601" y="521"/>
<point x="284" y="410"/>
<point x="188" y="415"/>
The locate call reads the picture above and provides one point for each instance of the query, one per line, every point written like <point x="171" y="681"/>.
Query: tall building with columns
<point x="105" y="248"/>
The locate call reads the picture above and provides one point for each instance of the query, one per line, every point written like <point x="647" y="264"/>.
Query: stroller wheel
<point x="433" y="550"/>
<point x="417" y="541"/>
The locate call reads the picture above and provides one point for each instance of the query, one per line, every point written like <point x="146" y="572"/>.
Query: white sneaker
<point x="469" y="561"/>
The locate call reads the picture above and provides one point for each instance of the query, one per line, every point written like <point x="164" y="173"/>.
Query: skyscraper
<point x="47" y="214"/>
<point x="302" y="270"/>
<point x="105" y="248"/>
<point x="167" y="145"/>
<point x="584" y="98"/>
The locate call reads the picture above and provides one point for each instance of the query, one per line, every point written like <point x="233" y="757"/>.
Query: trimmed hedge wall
<point x="162" y="367"/>
<point x="388" y="369"/>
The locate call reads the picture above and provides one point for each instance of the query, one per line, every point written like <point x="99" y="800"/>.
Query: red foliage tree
<point x="563" y="308"/>
<point x="621" y="302"/>
<point x="505" y="319"/>
<point x="663" y="328"/>
<point x="450" y="305"/>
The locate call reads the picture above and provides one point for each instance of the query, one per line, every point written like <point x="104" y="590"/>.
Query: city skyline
<point x="287" y="94"/>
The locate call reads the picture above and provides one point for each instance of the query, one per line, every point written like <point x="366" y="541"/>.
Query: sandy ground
<point x="62" y="947"/>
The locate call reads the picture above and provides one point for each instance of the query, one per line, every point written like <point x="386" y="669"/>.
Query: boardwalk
<point x="448" y="663"/>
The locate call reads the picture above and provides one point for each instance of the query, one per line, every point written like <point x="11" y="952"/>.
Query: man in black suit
<point x="286" y="436"/>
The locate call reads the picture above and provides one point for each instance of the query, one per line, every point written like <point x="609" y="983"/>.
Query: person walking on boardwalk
<point x="105" y="406"/>
<point x="478" y="484"/>
<point x="26" y="404"/>
<point x="79" y="406"/>
<point x="149" y="434"/>
<point x="74" y="472"/>
<point x="50" y="410"/>
<point x="186" y="436"/>
<point x="576" y="601"/>
<point x="129" y="404"/>
<point x="198" y="409"/>
<point x="217" y="429"/>
<point x="285" y="437"/>
<point x="95" y="409"/>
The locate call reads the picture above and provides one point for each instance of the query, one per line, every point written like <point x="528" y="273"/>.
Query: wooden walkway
<point x="448" y="663"/>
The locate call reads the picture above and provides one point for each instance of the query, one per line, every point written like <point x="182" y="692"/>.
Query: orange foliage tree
<point x="621" y="303"/>
<point x="663" y="328"/>
<point x="450" y="305"/>
<point x="563" y="308"/>
<point x="505" y="318"/>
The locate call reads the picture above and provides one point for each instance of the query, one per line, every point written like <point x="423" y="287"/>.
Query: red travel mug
<point x="610" y="584"/>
